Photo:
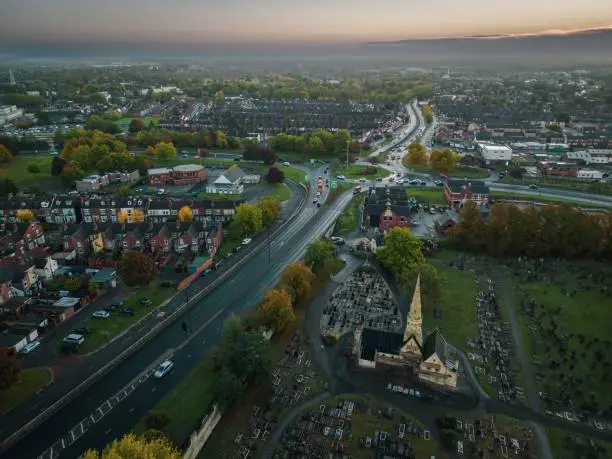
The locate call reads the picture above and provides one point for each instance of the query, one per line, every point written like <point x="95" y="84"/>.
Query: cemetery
<point x="493" y="437"/>
<point x="565" y="313"/>
<point x="363" y="300"/>
<point x="245" y="431"/>
<point x="358" y="427"/>
<point x="565" y="445"/>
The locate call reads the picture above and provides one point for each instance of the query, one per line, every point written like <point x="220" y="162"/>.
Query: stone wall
<point x="199" y="437"/>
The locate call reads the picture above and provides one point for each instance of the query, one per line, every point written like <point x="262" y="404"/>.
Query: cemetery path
<point x="524" y="361"/>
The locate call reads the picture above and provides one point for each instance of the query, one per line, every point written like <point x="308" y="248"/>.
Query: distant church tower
<point x="413" y="334"/>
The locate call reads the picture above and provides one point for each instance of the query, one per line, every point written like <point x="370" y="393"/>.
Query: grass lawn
<point x="103" y="330"/>
<point x="585" y="186"/>
<point x="532" y="197"/>
<point x="347" y="220"/>
<point x="17" y="171"/>
<point x="566" y="332"/>
<point x="280" y="191"/>
<point x="458" y="172"/>
<point x="426" y="195"/>
<point x="356" y="171"/>
<point x="124" y="123"/>
<point x="30" y="381"/>
<point x="567" y="445"/>
<point x="187" y="403"/>
<point x="457" y="307"/>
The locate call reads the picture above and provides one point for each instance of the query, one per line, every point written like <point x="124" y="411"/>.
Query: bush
<point x="275" y="175"/>
<point x="157" y="420"/>
<point x="33" y="168"/>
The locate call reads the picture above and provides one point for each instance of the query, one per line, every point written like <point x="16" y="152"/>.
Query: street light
<point x="347" y="153"/>
<point x="188" y="314"/>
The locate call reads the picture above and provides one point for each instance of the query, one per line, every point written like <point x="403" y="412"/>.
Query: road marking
<point x="107" y="431"/>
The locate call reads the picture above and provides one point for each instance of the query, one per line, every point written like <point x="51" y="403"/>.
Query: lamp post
<point x="347" y="153"/>
<point x="188" y="328"/>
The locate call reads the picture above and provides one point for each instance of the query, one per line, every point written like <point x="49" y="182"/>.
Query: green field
<point x="426" y="195"/>
<point x="124" y="123"/>
<point x="30" y="381"/>
<point x="279" y="190"/>
<point x="357" y="171"/>
<point x="186" y="404"/>
<point x="104" y="330"/>
<point x="457" y="306"/>
<point x="17" y="171"/>
<point x="347" y="220"/>
<point x="584" y="186"/>
<point x="458" y="172"/>
<point x="567" y="445"/>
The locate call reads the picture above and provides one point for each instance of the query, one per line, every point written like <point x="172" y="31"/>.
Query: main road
<point x="114" y="404"/>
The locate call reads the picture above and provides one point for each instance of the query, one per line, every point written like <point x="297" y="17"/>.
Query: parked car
<point x="127" y="312"/>
<point x="165" y="368"/>
<point x="206" y="272"/>
<point x="101" y="314"/>
<point x="286" y="163"/>
<point x="246" y="241"/>
<point x="145" y="302"/>
<point x="84" y="330"/>
<point x="217" y="264"/>
<point x="533" y="187"/>
<point x="169" y="283"/>
<point x="30" y="347"/>
<point x="74" y="339"/>
<point x="340" y="177"/>
<point x="114" y="306"/>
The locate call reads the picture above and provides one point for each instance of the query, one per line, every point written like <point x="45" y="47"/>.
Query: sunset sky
<point x="262" y="21"/>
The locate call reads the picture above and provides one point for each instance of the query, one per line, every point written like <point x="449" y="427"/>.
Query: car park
<point x="30" y="347"/>
<point x="101" y="314"/>
<point x="163" y="369"/>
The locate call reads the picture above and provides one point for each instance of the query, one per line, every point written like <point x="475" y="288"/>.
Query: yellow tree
<point x="270" y="209"/>
<point x="443" y="160"/>
<point x="185" y="214"/>
<point x="138" y="216"/>
<point x="427" y="113"/>
<point x="276" y="311"/>
<point x="165" y="151"/>
<point x="133" y="447"/>
<point x="25" y="215"/>
<point x="122" y="217"/>
<point x="297" y="278"/>
<point x="5" y="154"/>
<point x="417" y="154"/>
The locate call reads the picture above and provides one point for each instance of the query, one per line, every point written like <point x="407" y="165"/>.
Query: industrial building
<point x="494" y="153"/>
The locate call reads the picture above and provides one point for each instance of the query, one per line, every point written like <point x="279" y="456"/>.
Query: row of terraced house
<point x="62" y="209"/>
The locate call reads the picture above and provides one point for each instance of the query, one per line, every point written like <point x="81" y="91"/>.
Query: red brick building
<point x="160" y="176"/>
<point x="187" y="174"/>
<point x="458" y="191"/>
<point x="386" y="208"/>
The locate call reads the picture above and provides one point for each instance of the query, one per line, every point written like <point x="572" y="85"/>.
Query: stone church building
<point x="427" y="357"/>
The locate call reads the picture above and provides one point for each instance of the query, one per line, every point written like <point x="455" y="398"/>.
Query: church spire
<point x="414" y="323"/>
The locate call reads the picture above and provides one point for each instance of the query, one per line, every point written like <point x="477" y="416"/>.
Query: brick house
<point x="559" y="169"/>
<point x="78" y="238"/>
<point x="458" y="191"/>
<point x="21" y="238"/>
<point x="446" y="221"/>
<point x="187" y="174"/>
<point x="63" y="209"/>
<point x="10" y="207"/>
<point x="386" y="208"/>
<point x="160" y="176"/>
<point x="161" y="241"/>
<point x="212" y="211"/>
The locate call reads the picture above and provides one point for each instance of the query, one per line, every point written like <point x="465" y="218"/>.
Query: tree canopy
<point x="185" y="214"/>
<point x="417" y="154"/>
<point x="270" y="209"/>
<point x="443" y="160"/>
<point x="249" y="219"/>
<point x="402" y="251"/>
<point x="5" y="155"/>
<point x="133" y="447"/>
<point x="276" y="311"/>
<point x="298" y="279"/>
<point x="318" y="254"/>
<point x="136" y="269"/>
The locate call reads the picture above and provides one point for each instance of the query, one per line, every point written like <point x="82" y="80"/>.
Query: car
<point x="379" y="179"/>
<point x="145" y="302"/>
<point x="399" y="181"/>
<point x="127" y="312"/>
<point x="163" y="369"/>
<point x="168" y="283"/>
<point x="439" y="183"/>
<point x="237" y="249"/>
<point x="362" y="180"/>
<point x="218" y="264"/>
<point x="84" y="330"/>
<point x="206" y="272"/>
<point x="237" y="158"/>
<point x="229" y="255"/>
<point x="246" y="241"/>
<point x="533" y="187"/>
<point x="315" y="200"/>
<point x="30" y="347"/>
<point x="391" y="179"/>
<point x="432" y="210"/>
<point x="340" y="177"/>
<point x="101" y="314"/>
<point x="318" y="204"/>
<point x="338" y="240"/>
<point x="161" y="191"/>
<point x="286" y="163"/>
<point x="74" y="339"/>
<point x="318" y="194"/>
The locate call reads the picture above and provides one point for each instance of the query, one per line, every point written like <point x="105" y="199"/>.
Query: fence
<point x="199" y="437"/>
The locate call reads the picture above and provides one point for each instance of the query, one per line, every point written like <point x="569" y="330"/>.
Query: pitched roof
<point x="233" y="173"/>
<point x="446" y="216"/>
<point x="435" y="344"/>
<point x="373" y="340"/>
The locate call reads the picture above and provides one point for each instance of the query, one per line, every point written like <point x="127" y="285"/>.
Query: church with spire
<point x="427" y="358"/>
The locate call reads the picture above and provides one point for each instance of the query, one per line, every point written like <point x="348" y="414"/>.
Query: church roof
<point x="435" y="344"/>
<point x="373" y="340"/>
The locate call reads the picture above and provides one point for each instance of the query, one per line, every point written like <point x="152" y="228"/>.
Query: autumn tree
<point x="270" y="209"/>
<point x="221" y="140"/>
<point x="298" y="279"/>
<point x="138" y="216"/>
<point x="318" y="254"/>
<point x="9" y="369"/>
<point x="165" y="151"/>
<point x="443" y="160"/>
<point x="133" y="447"/>
<point x="136" y="125"/>
<point x="71" y="173"/>
<point x="275" y="175"/>
<point x="417" y="154"/>
<point x="25" y="215"/>
<point x="248" y="219"/>
<point x="276" y="311"/>
<point x="427" y="113"/>
<point x="136" y="268"/>
<point x="185" y="214"/>
<point x="122" y="217"/>
<point x="5" y="155"/>
<point x="469" y="230"/>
